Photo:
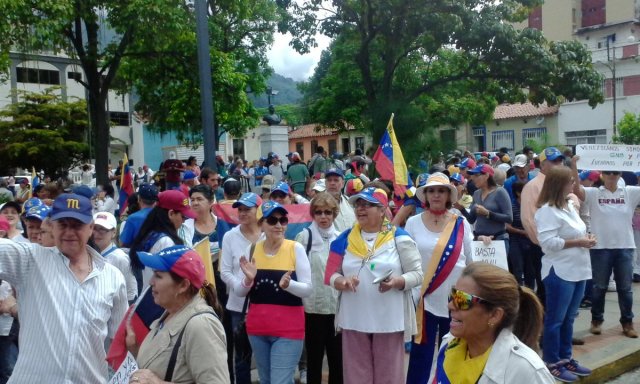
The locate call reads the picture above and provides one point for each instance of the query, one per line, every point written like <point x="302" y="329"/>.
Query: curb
<point x="613" y="369"/>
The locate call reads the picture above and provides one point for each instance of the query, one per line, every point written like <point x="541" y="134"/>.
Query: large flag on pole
<point x="390" y="162"/>
<point x="126" y="185"/>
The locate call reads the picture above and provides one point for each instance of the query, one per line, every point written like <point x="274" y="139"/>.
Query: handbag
<point x="240" y="337"/>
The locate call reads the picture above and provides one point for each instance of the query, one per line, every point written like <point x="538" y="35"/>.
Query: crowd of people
<point x="373" y="276"/>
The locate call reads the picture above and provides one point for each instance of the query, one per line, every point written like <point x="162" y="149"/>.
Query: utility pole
<point x="206" y="91"/>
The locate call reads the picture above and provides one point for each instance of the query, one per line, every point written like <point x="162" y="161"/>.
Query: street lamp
<point x="612" y="39"/>
<point x="270" y="92"/>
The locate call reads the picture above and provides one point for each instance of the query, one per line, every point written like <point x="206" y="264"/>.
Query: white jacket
<point x="512" y="361"/>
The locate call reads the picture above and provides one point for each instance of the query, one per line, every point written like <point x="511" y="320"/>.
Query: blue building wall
<point x="153" y="143"/>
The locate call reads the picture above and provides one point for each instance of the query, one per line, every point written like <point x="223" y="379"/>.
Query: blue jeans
<point x="421" y="357"/>
<point x="242" y="359"/>
<point x="8" y="357"/>
<point x="276" y="358"/>
<point x="603" y="262"/>
<point x="560" y="312"/>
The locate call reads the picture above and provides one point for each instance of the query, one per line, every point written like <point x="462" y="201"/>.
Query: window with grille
<point x="501" y="139"/>
<point x="594" y="136"/>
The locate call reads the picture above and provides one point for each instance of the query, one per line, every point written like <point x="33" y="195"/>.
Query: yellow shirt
<point x="460" y="368"/>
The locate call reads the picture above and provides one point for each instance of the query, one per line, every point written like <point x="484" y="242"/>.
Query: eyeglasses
<point x="364" y="204"/>
<point x="272" y="220"/>
<point x="610" y="173"/>
<point x="464" y="301"/>
<point x="326" y="212"/>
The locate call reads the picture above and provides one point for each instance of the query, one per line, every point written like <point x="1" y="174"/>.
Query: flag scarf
<point x="390" y="162"/>
<point x="298" y="214"/>
<point x="453" y="366"/>
<point x="344" y="242"/>
<point x="140" y="315"/>
<point x="126" y="185"/>
<point x="444" y="257"/>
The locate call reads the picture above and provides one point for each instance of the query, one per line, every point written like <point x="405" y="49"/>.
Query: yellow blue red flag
<point x="390" y="162"/>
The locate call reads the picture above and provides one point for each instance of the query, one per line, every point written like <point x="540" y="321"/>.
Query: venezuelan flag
<point x="126" y="185"/>
<point x="299" y="219"/>
<point x="390" y="162"/>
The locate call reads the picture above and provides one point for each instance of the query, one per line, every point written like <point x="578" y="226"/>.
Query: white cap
<point x="520" y="161"/>
<point x="320" y="186"/>
<point x="105" y="219"/>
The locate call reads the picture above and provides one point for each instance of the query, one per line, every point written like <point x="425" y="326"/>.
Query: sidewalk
<point x="611" y="353"/>
<point x="608" y="355"/>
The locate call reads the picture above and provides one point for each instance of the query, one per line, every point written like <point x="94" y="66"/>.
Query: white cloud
<point x="289" y="63"/>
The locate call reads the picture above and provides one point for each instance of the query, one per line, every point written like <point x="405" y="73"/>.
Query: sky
<point x="287" y="62"/>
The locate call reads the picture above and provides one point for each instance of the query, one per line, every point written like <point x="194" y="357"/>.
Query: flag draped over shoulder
<point x="390" y="162"/>
<point x="126" y="184"/>
<point x="299" y="219"/>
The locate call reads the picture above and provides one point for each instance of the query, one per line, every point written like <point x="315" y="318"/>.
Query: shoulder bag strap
<point x="309" y="240"/>
<point x="174" y="353"/>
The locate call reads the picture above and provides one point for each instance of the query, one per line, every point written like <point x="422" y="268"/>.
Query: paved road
<point x="627" y="378"/>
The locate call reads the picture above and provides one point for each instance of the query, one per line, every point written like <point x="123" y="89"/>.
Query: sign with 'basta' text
<point x="495" y="253"/>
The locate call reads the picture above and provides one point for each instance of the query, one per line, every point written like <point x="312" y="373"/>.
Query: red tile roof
<point x="311" y="130"/>
<point x="513" y="111"/>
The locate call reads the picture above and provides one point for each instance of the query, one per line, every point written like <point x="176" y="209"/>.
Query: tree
<point x="628" y="129"/>
<point x="158" y="36"/>
<point x="433" y="63"/>
<point x="165" y="76"/>
<point x="44" y="132"/>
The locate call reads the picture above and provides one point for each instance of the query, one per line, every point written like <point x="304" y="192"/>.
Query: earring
<point x="490" y="325"/>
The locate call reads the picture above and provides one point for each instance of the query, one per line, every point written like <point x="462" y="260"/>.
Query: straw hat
<point x="438" y="179"/>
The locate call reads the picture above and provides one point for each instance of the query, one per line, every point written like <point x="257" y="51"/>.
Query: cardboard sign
<point x="494" y="253"/>
<point x="127" y="367"/>
<point x="608" y="157"/>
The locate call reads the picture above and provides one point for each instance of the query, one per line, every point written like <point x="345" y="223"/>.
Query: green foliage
<point x="434" y="63"/>
<point x="44" y="132"/>
<point x="628" y="129"/>
<point x="165" y="74"/>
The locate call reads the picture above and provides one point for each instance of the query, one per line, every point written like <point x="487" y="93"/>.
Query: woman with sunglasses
<point x="611" y="209"/>
<point x="491" y="209"/>
<point x="277" y="276"/>
<point x="444" y="240"/>
<point x="320" y="307"/>
<point x="565" y="268"/>
<point x="495" y="326"/>
<point x="234" y="244"/>
<point x="375" y="265"/>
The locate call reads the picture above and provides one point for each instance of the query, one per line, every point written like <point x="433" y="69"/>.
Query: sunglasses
<point x="464" y="301"/>
<point x="610" y="173"/>
<point x="326" y="212"/>
<point x="272" y="220"/>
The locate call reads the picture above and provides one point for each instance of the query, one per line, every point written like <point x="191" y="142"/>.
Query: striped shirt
<point x="64" y="323"/>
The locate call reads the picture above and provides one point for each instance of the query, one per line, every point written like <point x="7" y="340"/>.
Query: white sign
<point x="494" y="253"/>
<point x="608" y="157"/>
<point x="127" y="367"/>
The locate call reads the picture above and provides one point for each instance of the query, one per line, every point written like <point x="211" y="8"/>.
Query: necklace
<point x="437" y="213"/>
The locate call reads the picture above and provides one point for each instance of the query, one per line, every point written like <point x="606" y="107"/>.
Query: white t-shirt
<point x="6" y="320"/>
<point x="611" y="214"/>
<point x="437" y="302"/>
<point x="119" y="259"/>
<point x="554" y="227"/>
<point x="277" y="171"/>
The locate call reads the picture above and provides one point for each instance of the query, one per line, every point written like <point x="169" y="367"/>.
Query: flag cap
<point x="181" y="260"/>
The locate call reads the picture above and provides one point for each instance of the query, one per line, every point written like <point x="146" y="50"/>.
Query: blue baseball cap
<point x="371" y="194"/>
<point x="334" y="171"/>
<point x="188" y="175"/>
<point x="179" y="259"/>
<point x="269" y="208"/>
<point x="148" y="191"/>
<point x="484" y="169"/>
<point x="72" y="206"/>
<point x="281" y="187"/>
<point x="551" y="153"/>
<point x="39" y="212"/>
<point x="32" y="202"/>
<point x="457" y="177"/>
<point x="466" y="163"/>
<point x="83" y="190"/>
<point x="248" y="199"/>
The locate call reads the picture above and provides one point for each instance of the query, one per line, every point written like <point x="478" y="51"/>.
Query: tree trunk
<point x="101" y="129"/>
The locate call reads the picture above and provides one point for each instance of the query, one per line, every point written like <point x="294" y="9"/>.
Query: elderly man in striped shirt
<point x="70" y="302"/>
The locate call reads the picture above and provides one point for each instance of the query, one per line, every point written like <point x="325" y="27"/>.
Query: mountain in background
<point x="287" y="92"/>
